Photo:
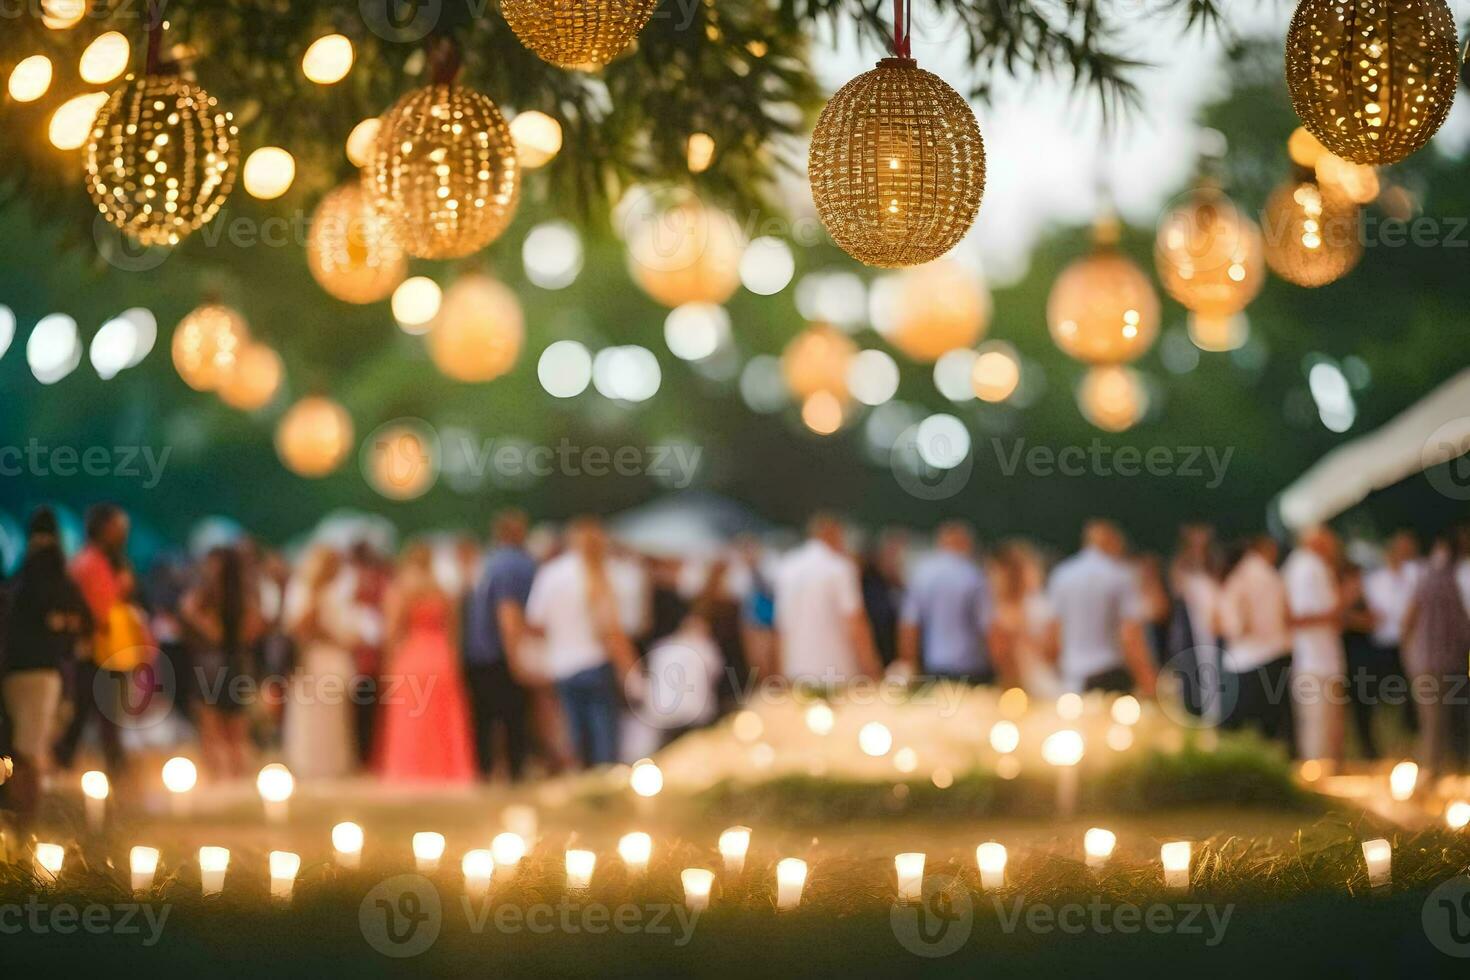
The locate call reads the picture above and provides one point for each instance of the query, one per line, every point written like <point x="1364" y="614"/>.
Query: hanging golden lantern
<point x="1102" y="308"/>
<point x="1209" y="256"/>
<point x="1372" y="79"/>
<point x="997" y="372"/>
<point x="478" y="333"/>
<point x="1218" y="334"/>
<point x="817" y="359"/>
<point x="314" y="436"/>
<point x="444" y="170"/>
<point x="937" y="307"/>
<point x="687" y="253"/>
<point x="161" y="159"/>
<point x="255" y="379"/>
<point x="580" y="34"/>
<point x="1311" y="236"/>
<point x="897" y="166"/>
<point x="207" y="344"/>
<point x="1112" y="397"/>
<point x="352" y="249"/>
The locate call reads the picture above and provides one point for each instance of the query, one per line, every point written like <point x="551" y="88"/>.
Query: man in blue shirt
<point x="494" y="622"/>
<point x="947" y="611"/>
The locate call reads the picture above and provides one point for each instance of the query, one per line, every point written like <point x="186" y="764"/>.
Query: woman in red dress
<point x="425" y="722"/>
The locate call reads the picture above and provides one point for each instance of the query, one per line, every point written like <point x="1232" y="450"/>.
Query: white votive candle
<point x="49" y="858"/>
<point x="579" y="869"/>
<point x="213" y="861"/>
<point x="910" y="868"/>
<point x="347" y="840"/>
<point x="428" y="848"/>
<point x="1457" y="815"/>
<point x="180" y="776"/>
<point x="635" y="849"/>
<point x="508" y="849"/>
<point x="991" y="859"/>
<point x="697" y="885"/>
<point x="1175" y="856"/>
<point x="143" y="864"/>
<point x="95" y="789"/>
<point x="790" y="880"/>
<point x="1378" y="856"/>
<point x="284" y="867"/>
<point x="1402" y="780"/>
<point x="479" y="868"/>
<point x="276" y="785"/>
<point x="1098" y="845"/>
<point x="734" y="843"/>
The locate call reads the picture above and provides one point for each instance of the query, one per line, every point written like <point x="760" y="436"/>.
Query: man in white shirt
<point x="1097" y="628"/>
<point x="1318" y="666"/>
<point x="1253" y="620"/>
<point x="824" y="637"/>
<point x="1388" y="591"/>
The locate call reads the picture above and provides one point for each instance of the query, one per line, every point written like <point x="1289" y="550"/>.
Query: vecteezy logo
<point x="1444" y="458"/>
<point x="938" y="924"/>
<point x="401" y="459"/>
<point x="401" y="21"/>
<point x="122" y="252"/>
<point x="401" y="916"/>
<point x="135" y="698"/>
<point x="1446" y="917"/>
<point x="909" y="461"/>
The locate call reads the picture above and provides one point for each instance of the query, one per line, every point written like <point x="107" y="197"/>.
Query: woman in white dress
<point x="319" y="740"/>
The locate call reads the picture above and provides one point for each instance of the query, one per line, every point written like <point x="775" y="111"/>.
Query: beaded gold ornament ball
<point x="897" y="166"/>
<point x="444" y="170"/>
<point x="579" y="34"/>
<point x="1372" y="79"/>
<point x="1103" y="309"/>
<point x="162" y="158"/>
<point x="1312" y="236"/>
<point x="352" y="249"/>
<point x="1209" y="255"/>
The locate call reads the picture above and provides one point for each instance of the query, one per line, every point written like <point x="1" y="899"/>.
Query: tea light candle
<point x="579" y="869"/>
<point x="347" y="839"/>
<point x="1063" y="750"/>
<point x="1098" y="844"/>
<point x="1402" y="780"/>
<point x="143" y="863"/>
<point x="1378" y="855"/>
<point x="95" y="789"/>
<point x="910" y="868"/>
<point x="734" y="843"/>
<point x="284" y="867"/>
<point x="697" y="885"/>
<point x="1175" y="856"/>
<point x="508" y="849"/>
<point x="49" y="858"/>
<point x="1457" y="815"/>
<point x="991" y="858"/>
<point x="179" y="777"/>
<point x="790" y="880"/>
<point x="479" y="868"/>
<point x="212" y="864"/>
<point x="275" y="785"/>
<point x="635" y="850"/>
<point x="646" y="778"/>
<point x="428" y="848"/>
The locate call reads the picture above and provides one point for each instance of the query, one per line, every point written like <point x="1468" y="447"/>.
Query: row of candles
<point x="507" y="849"/>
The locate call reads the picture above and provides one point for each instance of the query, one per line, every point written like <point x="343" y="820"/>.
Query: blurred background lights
<point x="416" y="303"/>
<point x="552" y="254"/>
<point x="629" y="373"/>
<point x="328" y="60"/>
<point x="875" y="739"/>
<point x="30" y="79"/>
<point x="695" y="331"/>
<point x="71" y="124"/>
<point x="145" y="333"/>
<point x="954" y="374"/>
<point x="105" y="58"/>
<point x="872" y="377"/>
<point x="838" y="298"/>
<point x="996" y="372"/>
<point x="943" y="441"/>
<point x="361" y="140"/>
<point x="268" y="173"/>
<point x="537" y="138"/>
<point x="7" y="328"/>
<point x="822" y="413"/>
<point x="1334" y="397"/>
<point x="767" y="266"/>
<point x="60" y="15"/>
<point x="762" y="386"/>
<point x="699" y="151"/>
<point x="53" y="350"/>
<point x="565" y="369"/>
<point x="112" y="347"/>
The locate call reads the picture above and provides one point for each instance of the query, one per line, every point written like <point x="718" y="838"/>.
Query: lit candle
<point x="520" y="818"/>
<point x="579" y="869"/>
<point x="95" y="788"/>
<point x="143" y="863"/>
<point x="428" y="848"/>
<point x="910" y="867"/>
<point x="635" y="850"/>
<point x="479" y="868"/>
<point x="179" y="777"/>
<point x="284" y="867"/>
<point x="1457" y="815"/>
<point x="508" y="849"/>
<point x="49" y="858"/>
<point x="1098" y="845"/>
<point x="347" y="839"/>
<point x="1378" y="855"/>
<point x="790" y="880"/>
<point x="1175" y="856"/>
<point x="697" y="884"/>
<point x="1064" y="749"/>
<point x="991" y="857"/>
<point x="646" y="778"/>
<point x="734" y="843"/>
<point x="1402" y="780"/>
<point x="275" y="784"/>
<point x="212" y="864"/>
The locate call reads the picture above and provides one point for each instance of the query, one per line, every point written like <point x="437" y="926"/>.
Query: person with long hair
<point x="223" y="621"/>
<point x="48" y="618"/>
<point x="1018" y="629"/>
<point x="425" y="723"/>
<point x="318" y="738"/>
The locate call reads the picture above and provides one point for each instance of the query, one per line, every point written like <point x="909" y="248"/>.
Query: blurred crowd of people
<point x="547" y="650"/>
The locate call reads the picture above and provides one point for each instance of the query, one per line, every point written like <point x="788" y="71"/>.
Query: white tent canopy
<point x="1433" y="431"/>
